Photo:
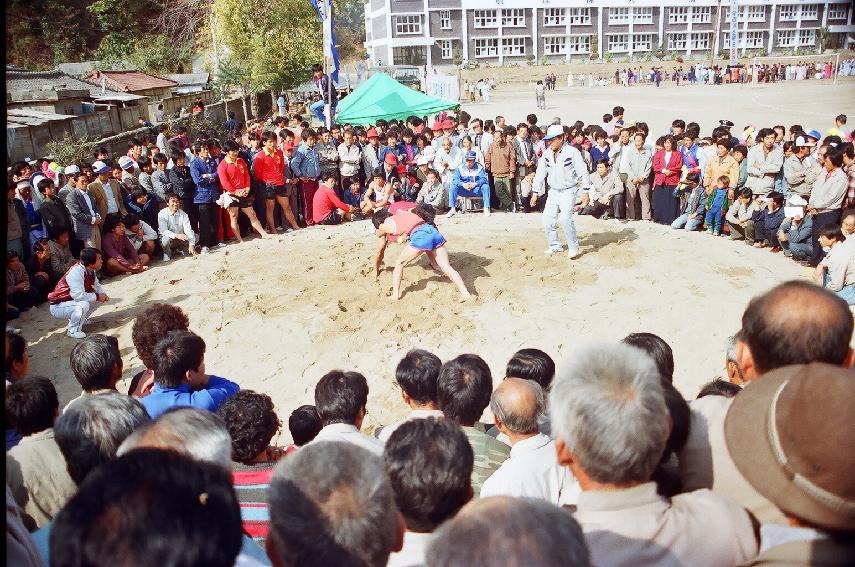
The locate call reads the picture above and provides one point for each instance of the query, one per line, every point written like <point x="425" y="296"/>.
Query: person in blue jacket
<point x="470" y="180"/>
<point x="203" y="170"/>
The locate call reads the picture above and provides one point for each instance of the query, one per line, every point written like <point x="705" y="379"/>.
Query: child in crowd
<point x="717" y="204"/>
<point x="426" y="239"/>
<point x="180" y="378"/>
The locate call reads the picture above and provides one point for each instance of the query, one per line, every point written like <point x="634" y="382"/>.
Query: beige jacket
<point x="717" y="167"/>
<point x="96" y="190"/>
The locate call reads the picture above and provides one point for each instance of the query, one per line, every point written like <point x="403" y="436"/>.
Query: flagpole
<point x="327" y="58"/>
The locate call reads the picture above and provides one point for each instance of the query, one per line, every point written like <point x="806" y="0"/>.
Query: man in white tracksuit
<point x="564" y="169"/>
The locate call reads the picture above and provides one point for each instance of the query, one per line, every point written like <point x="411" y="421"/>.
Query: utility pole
<point x="717" y="24"/>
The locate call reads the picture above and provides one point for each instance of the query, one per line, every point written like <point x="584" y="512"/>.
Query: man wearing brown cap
<point x="791" y="436"/>
<point x="794" y="323"/>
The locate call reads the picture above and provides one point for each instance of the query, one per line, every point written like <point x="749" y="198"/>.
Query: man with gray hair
<point x="532" y="470"/>
<point x="331" y="503"/>
<point x="89" y="433"/>
<point x="512" y="532"/>
<point x="611" y="424"/>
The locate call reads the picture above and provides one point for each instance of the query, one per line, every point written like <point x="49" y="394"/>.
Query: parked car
<point x="409" y="75"/>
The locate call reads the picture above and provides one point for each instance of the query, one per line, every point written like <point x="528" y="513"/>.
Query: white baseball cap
<point x="71" y="169"/>
<point x="802" y="142"/>
<point x="554" y="131"/>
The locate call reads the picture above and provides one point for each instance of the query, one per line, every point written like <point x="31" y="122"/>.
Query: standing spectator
<point x="501" y="160"/>
<point x="203" y="169"/>
<point x="463" y="393"/>
<point x="667" y="166"/>
<point x="350" y="157"/>
<point x="532" y="469"/>
<point x="429" y="463"/>
<point x="341" y="399"/>
<point x="332" y="504"/>
<point x="624" y="519"/>
<point x="800" y="171"/>
<point x="53" y="211"/>
<point x="84" y="215"/>
<point x="269" y="167"/>
<point x="306" y="164"/>
<point x="765" y="160"/>
<point x="826" y="198"/>
<point x="416" y="374"/>
<point x="639" y="164"/>
<point x="539" y="95"/>
<point x="233" y="174"/>
<point x="35" y="469"/>
<point x="183" y="185"/>
<point x="180" y="378"/>
<point x="105" y="190"/>
<point x="282" y="104"/>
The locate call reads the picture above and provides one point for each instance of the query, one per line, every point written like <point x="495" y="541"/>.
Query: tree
<point x="348" y="19"/>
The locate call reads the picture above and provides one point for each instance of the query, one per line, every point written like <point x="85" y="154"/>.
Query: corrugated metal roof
<point x="46" y="80"/>
<point x="188" y="79"/>
<point x="129" y="81"/>
<point x="120" y="97"/>
<point x="23" y="117"/>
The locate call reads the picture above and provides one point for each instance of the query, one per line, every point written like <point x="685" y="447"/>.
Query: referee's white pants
<point x="559" y="208"/>
<point x="77" y="312"/>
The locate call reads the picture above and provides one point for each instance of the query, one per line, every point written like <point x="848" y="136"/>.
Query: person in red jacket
<point x="270" y="168"/>
<point x="326" y="204"/>
<point x="234" y="178"/>
<point x="667" y="167"/>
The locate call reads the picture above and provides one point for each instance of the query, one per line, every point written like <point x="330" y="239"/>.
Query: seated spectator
<point x="532" y="469"/>
<point x="719" y="387"/>
<point x="432" y="192"/>
<point x="252" y="422"/>
<point x="836" y="271"/>
<point x="341" y="399"/>
<point x="326" y="204"/>
<point x="354" y="193"/>
<point x="469" y="180"/>
<point x="40" y="271"/>
<point x="513" y="532"/>
<point x="97" y="365"/>
<point x="332" y="504"/>
<point x="771" y="217"/>
<point x="61" y="258"/>
<point x="176" y="232"/>
<point x="19" y="293"/>
<point x="803" y="472"/>
<point x="605" y="194"/>
<point x="120" y="256"/>
<point x="186" y="506"/>
<point x="696" y="204"/>
<point x="659" y="350"/>
<point x="141" y="235"/>
<point x="731" y="361"/>
<point x="463" y="393"/>
<point x="795" y="233"/>
<point x="89" y="433"/>
<point x="416" y="375"/>
<point x="304" y="423"/>
<point x="429" y="463"/>
<point x="150" y="325"/>
<point x="739" y="217"/>
<point x="794" y="323"/>
<point x="78" y="293"/>
<point x="17" y="368"/>
<point x="21" y="550"/>
<point x="612" y="424"/>
<point x="144" y="204"/>
<point x="532" y="364"/>
<point x="35" y="469"/>
<point x="180" y="378"/>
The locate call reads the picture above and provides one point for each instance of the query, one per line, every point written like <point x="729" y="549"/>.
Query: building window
<point x="445" y="51"/>
<point x="786" y="38"/>
<point x="702" y="15"/>
<point x="642" y="15"/>
<point x="810" y="11"/>
<point x="580" y="44"/>
<point x="807" y="37"/>
<point x="486" y="19"/>
<point x="553" y="16"/>
<point x="618" y="16"/>
<point x="699" y="41"/>
<point x="555" y="45"/>
<point x="409" y="55"/>
<point x="580" y="16"/>
<point x="618" y="43"/>
<point x="746" y="40"/>
<point x="837" y="11"/>
<point x="789" y="13"/>
<point x="513" y="46"/>
<point x="754" y="13"/>
<point x="487" y="47"/>
<point x="642" y="41"/>
<point x="678" y="15"/>
<point x="513" y="18"/>
<point x="408" y="25"/>
<point x="677" y="41"/>
<point x="445" y="19"/>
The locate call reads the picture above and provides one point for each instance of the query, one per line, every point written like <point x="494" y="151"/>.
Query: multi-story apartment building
<point x="432" y="32"/>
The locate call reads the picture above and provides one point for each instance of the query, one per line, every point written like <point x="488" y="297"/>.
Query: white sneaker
<point x="279" y="228"/>
<point x="220" y="245"/>
<point x="204" y="250"/>
<point x="617" y="221"/>
<point x="486" y="212"/>
<point x="76" y="334"/>
<point x="166" y="258"/>
<point x="451" y="213"/>
<point x="573" y="254"/>
<point x="550" y="251"/>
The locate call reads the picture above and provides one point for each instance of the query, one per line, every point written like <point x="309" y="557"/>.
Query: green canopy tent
<point x="381" y="96"/>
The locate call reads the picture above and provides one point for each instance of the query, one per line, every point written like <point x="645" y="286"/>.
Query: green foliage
<point x="595" y="48"/>
<point x="69" y="149"/>
<point x="156" y="54"/>
<point x="530" y="59"/>
<point x="609" y="57"/>
<point x="349" y="28"/>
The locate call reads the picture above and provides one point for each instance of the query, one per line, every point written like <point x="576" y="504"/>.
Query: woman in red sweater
<point x="234" y="178"/>
<point x="667" y="166"/>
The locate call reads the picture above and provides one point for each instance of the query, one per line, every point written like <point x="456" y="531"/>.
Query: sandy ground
<point x="813" y="104"/>
<point x="278" y="314"/>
